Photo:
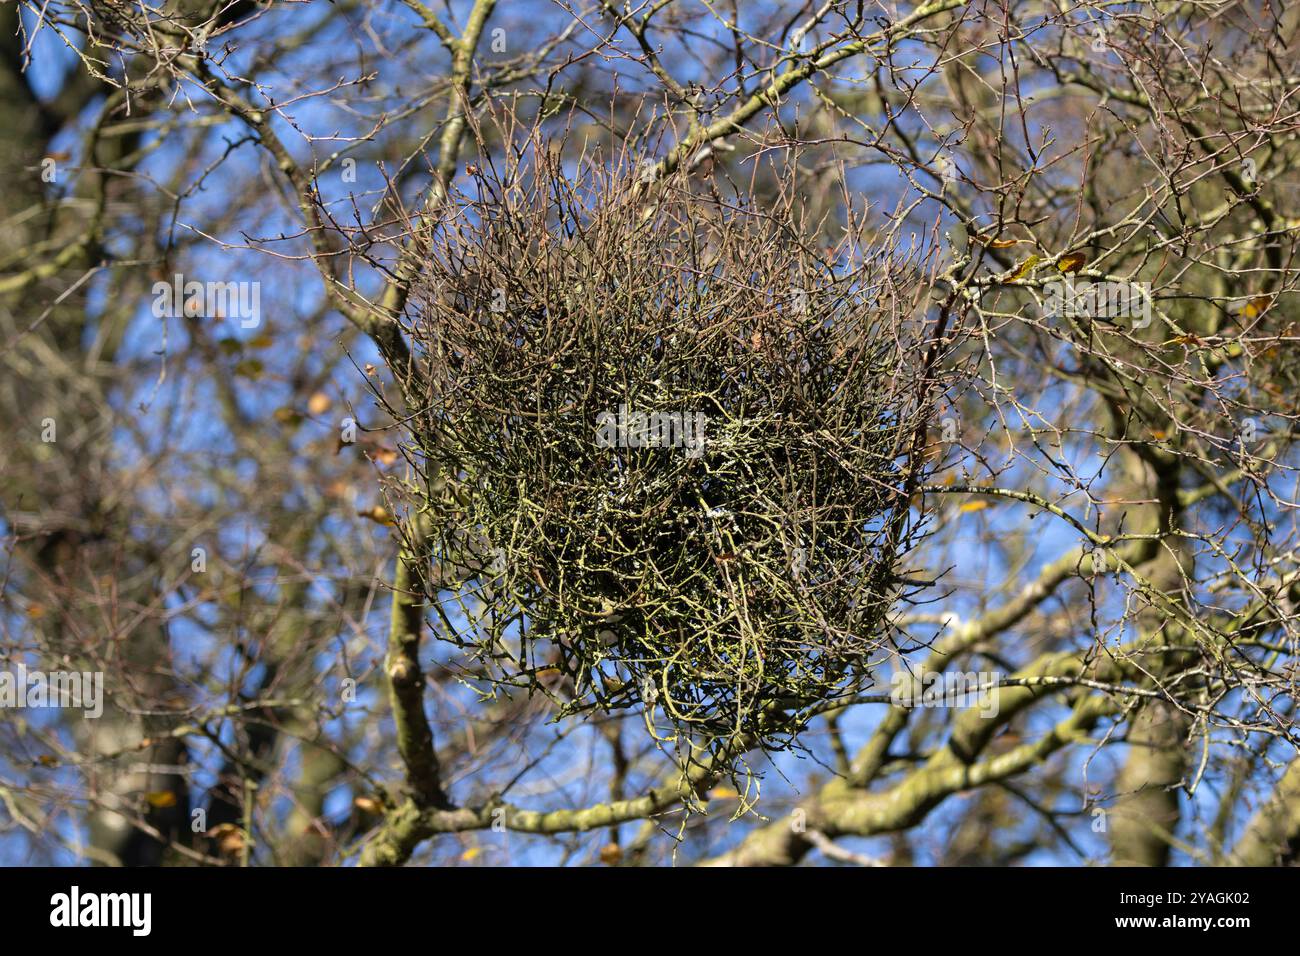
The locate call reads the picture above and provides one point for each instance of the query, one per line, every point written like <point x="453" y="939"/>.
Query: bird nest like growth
<point x="668" y="446"/>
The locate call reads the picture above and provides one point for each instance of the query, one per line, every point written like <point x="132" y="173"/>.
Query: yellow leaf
<point x="319" y="403"/>
<point x="610" y="854"/>
<point x="161" y="799"/>
<point x="232" y="844"/>
<point x="1023" y="269"/>
<point x="993" y="243"/>
<point x="385" y="456"/>
<point x="1072" y="262"/>
<point x="1257" y="306"/>
<point x="367" y="804"/>
<point x="471" y="854"/>
<point x="250" y="368"/>
<point x="723" y="793"/>
<point x="230" y="839"/>
<point x="378" y="514"/>
<point x="973" y="506"/>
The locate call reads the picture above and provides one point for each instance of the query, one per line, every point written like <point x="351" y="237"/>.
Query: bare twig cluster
<point x="672" y="439"/>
